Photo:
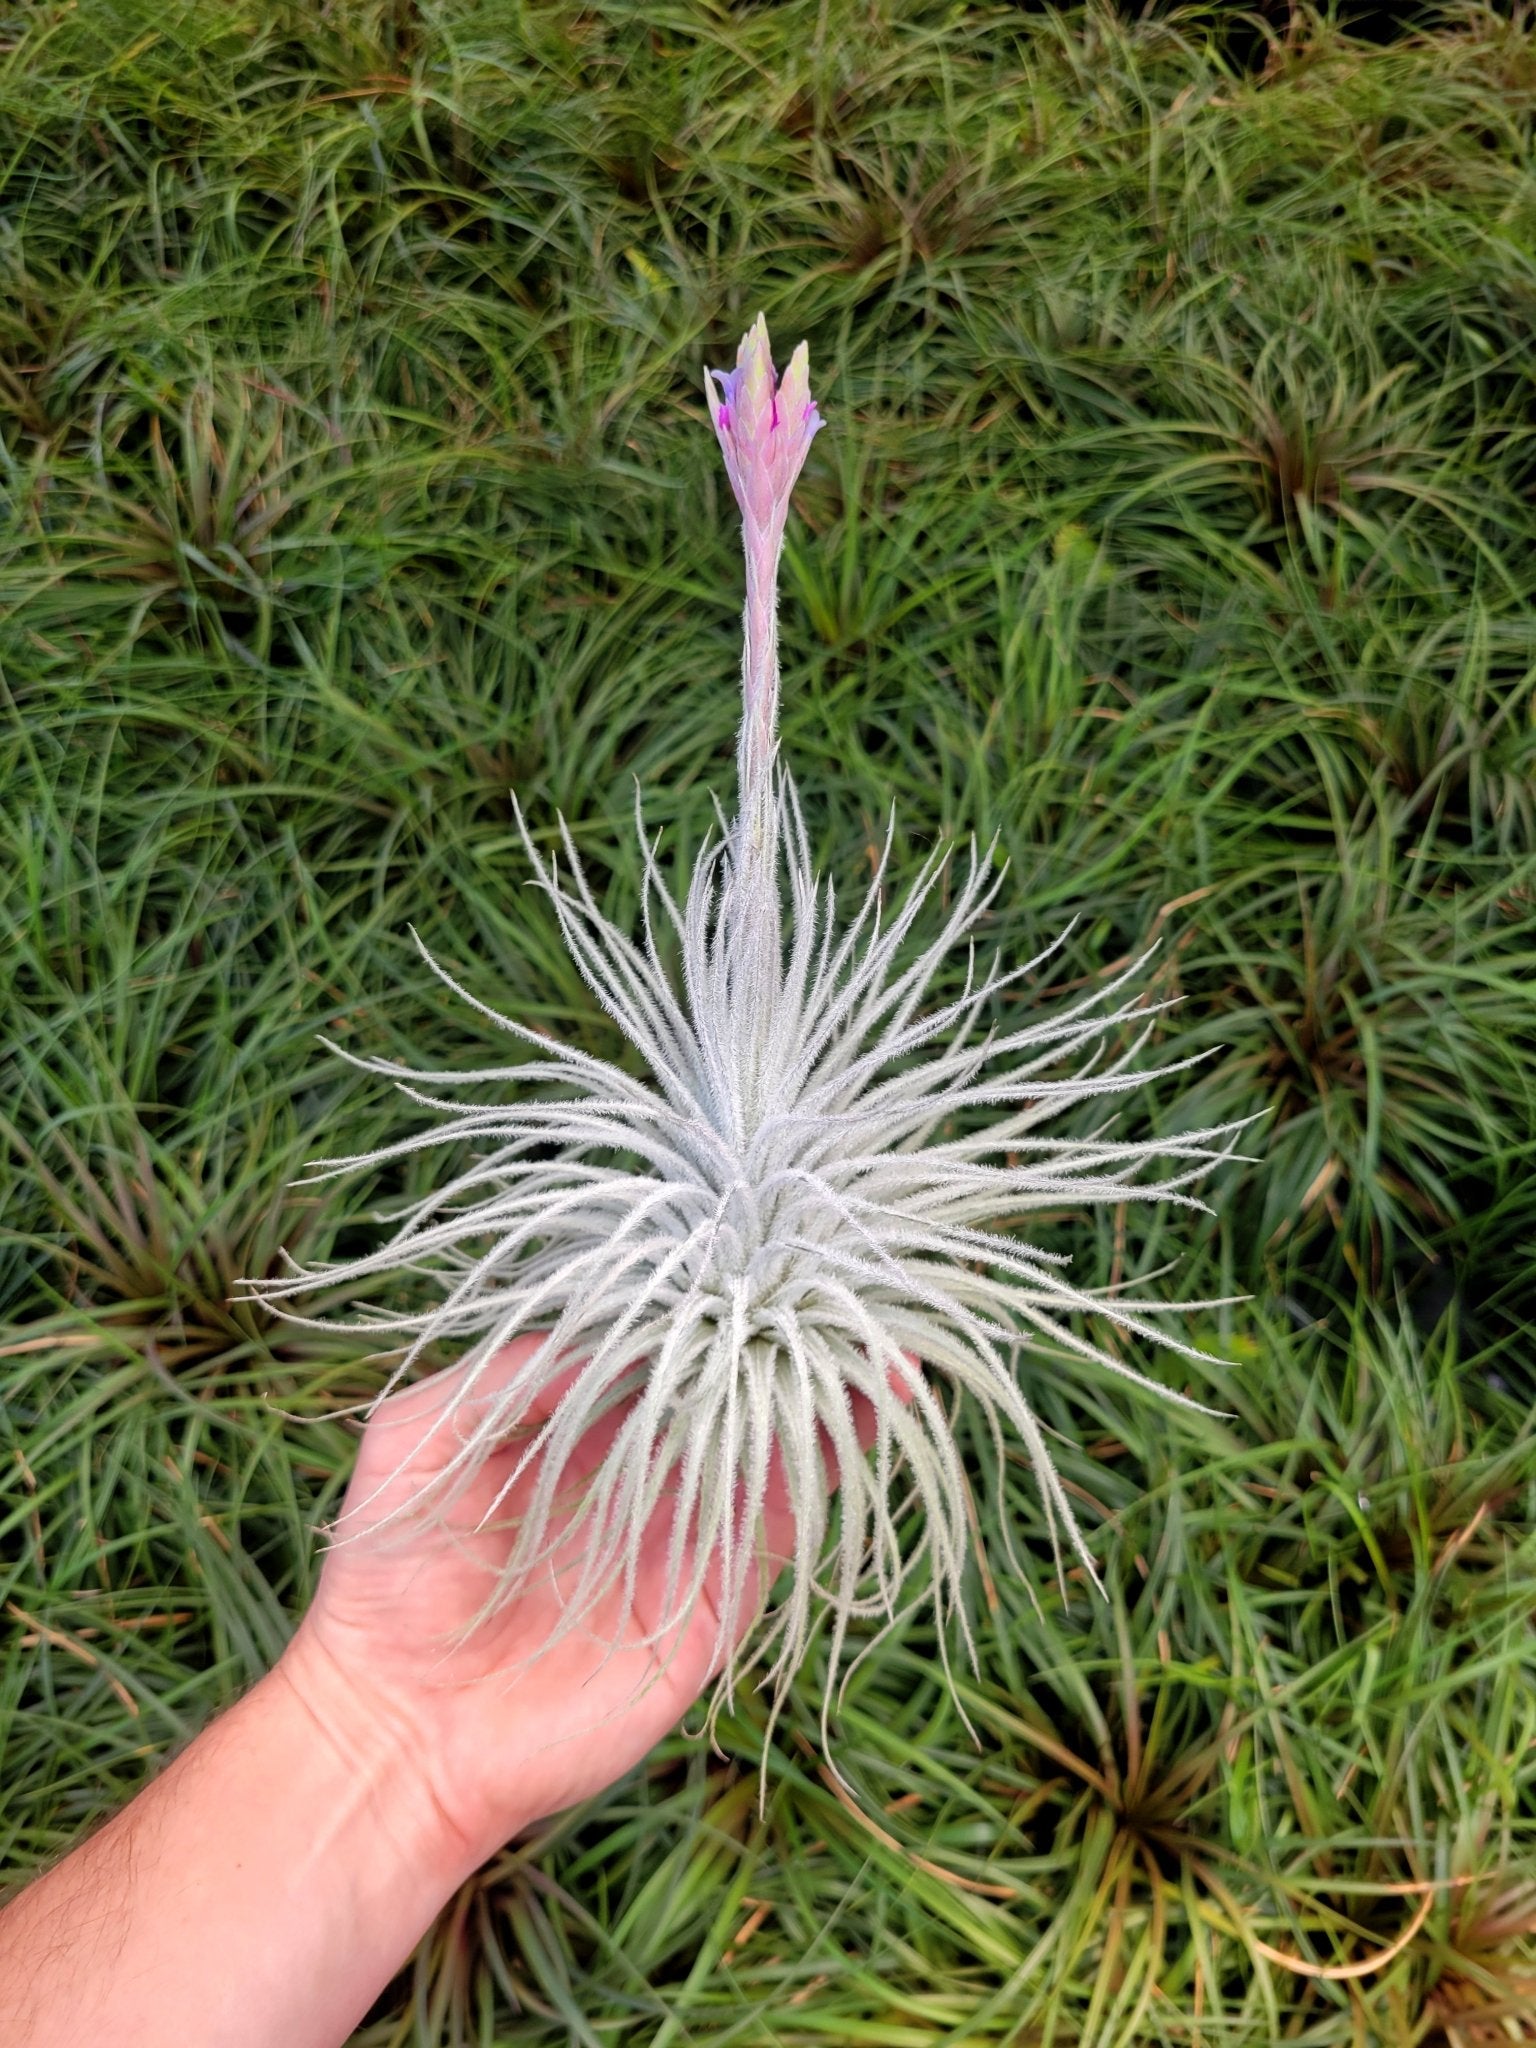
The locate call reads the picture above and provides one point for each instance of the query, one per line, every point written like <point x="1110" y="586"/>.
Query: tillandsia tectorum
<point x="799" y="1205"/>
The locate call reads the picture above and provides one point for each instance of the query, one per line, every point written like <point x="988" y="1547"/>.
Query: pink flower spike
<point x="765" y="425"/>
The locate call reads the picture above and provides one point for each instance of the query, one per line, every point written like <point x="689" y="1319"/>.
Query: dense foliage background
<point x="1175" y="523"/>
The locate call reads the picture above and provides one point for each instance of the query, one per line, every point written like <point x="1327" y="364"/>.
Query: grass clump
<point x="1177" y="529"/>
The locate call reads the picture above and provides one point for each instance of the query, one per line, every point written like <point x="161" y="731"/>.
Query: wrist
<point x="392" y="1742"/>
<point x="381" y="1760"/>
<point x="264" y="1887"/>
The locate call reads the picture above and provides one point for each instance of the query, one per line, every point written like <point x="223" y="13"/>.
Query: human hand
<point x="265" y="1885"/>
<point x="392" y="1650"/>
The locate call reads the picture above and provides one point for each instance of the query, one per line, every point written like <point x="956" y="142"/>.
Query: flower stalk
<point x="765" y="425"/>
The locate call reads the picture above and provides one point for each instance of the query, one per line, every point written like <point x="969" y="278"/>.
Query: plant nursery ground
<point x="1174" y="528"/>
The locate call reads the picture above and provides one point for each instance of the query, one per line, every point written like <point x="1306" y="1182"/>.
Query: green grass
<point x="1176" y="522"/>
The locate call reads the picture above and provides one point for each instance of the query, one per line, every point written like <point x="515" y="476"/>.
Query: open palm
<point x="503" y="1734"/>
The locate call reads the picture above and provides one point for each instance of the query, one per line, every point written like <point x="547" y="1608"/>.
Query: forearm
<point x="259" y="1894"/>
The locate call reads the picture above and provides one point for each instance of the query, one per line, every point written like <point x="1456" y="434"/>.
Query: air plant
<point x="800" y="1204"/>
